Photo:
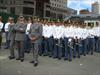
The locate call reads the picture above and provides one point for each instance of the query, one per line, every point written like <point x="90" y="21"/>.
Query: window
<point x="59" y="16"/>
<point x="11" y="2"/>
<point x="1" y="1"/>
<point x="28" y="2"/>
<point x="47" y="13"/>
<point x="12" y="10"/>
<point x="14" y="1"/>
<point x="3" y="9"/>
<point x="55" y="5"/>
<point x="53" y="15"/>
<point x="48" y="6"/>
<point x="28" y="11"/>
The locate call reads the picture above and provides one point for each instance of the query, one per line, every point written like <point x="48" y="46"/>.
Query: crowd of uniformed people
<point x="57" y="39"/>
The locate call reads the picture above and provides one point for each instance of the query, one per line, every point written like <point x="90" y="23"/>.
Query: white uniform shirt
<point x="79" y="33"/>
<point x="61" y="32"/>
<point x="75" y="32"/>
<point x="91" y="33"/>
<point x="58" y="32"/>
<point x="69" y="32"/>
<point x="7" y="27"/>
<point x="1" y="26"/>
<point x="84" y="33"/>
<point x="97" y="31"/>
<point x="66" y="32"/>
<point x="45" y="29"/>
<point x="28" y="28"/>
<point x="50" y="31"/>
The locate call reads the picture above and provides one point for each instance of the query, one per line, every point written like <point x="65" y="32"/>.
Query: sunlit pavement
<point x="86" y="65"/>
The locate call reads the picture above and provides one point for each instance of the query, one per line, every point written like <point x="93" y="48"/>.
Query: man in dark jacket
<point x="35" y="36"/>
<point x="20" y="28"/>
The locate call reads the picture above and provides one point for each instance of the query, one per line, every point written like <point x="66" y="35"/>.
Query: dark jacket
<point x="20" y="34"/>
<point x="11" y="34"/>
<point x="36" y="31"/>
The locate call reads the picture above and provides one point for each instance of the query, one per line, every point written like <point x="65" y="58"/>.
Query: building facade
<point x="96" y="8"/>
<point x="84" y="11"/>
<point x="58" y="8"/>
<point x="25" y="7"/>
<point x="41" y="8"/>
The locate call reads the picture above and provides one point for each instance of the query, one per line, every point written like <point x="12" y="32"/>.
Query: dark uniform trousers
<point x="77" y="48"/>
<point x="0" y="39"/>
<point x="12" y="43"/>
<point x="27" y="43"/>
<point x="99" y="44"/>
<point x="48" y="46"/>
<point x="46" y="51"/>
<point x="83" y="47"/>
<point x="57" y="52"/>
<point x="91" y="45"/>
<point x="7" y="41"/>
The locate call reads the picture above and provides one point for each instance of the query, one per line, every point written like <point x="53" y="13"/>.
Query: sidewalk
<point x="86" y="65"/>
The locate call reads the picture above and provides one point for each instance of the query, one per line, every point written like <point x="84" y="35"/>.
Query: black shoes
<point x="17" y="58"/>
<point x="10" y="57"/>
<point x="21" y="60"/>
<point x="78" y="56"/>
<point x="32" y="62"/>
<point x="59" y="58"/>
<point x="45" y="54"/>
<point x="6" y="48"/>
<point x="91" y="53"/>
<point x="27" y="51"/>
<point x="70" y="60"/>
<point x="74" y="56"/>
<point x="35" y="64"/>
<point x="65" y="59"/>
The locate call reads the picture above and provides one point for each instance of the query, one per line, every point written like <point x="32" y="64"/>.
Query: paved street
<point x="88" y="65"/>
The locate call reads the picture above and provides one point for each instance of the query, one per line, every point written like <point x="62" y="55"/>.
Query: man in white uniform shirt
<point x="50" y="38"/>
<point x="6" y="28"/>
<point x="1" y="26"/>
<point x="97" y="38"/>
<point x="67" y="43"/>
<point x="90" y="40"/>
<point x="83" y="36"/>
<point x="27" y="43"/>
<point x="58" y="35"/>
<point x="76" y="36"/>
<point x="45" y="38"/>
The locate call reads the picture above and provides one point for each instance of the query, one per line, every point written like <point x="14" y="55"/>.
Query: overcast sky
<point x="81" y="4"/>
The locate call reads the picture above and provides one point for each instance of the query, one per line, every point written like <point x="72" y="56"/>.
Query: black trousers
<point x="11" y="48"/>
<point x="0" y="39"/>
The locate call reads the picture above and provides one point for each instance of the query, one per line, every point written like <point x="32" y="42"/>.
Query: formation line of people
<point x="56" y="39"/>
